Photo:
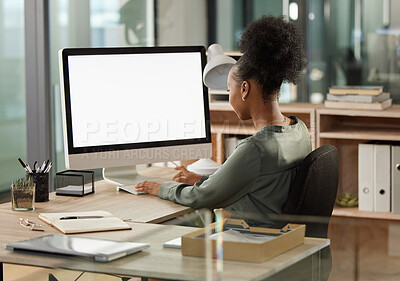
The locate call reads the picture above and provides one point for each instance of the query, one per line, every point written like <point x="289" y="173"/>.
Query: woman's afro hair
<point x="272" y="53"/>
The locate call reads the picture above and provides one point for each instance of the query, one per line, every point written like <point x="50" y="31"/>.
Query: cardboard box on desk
<point x="291" y="236"/>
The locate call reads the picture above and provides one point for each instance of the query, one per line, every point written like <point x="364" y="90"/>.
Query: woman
<point x="254" y="181"/>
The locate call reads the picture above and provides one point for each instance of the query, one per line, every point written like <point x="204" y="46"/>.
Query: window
<point x="12" y="92"/>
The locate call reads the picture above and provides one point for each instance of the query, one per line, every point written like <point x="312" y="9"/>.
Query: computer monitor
<point x="128" y="106"/>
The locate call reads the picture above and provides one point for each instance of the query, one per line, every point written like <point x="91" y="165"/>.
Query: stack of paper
<point x="358" y="97"/>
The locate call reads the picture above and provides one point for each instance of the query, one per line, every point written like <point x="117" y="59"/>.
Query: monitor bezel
<point x="68" y="52"/>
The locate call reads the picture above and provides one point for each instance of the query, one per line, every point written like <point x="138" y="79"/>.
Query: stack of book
<point x="358" y="97"/>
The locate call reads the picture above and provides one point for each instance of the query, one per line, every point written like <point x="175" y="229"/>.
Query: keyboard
<point x="129" y="188"/>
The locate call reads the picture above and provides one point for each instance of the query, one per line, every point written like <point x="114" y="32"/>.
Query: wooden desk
<point x="155" y="262"/>
<point x="137" y="208"/>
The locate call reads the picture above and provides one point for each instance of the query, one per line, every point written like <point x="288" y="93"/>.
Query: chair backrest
<point x="313" y="191"/>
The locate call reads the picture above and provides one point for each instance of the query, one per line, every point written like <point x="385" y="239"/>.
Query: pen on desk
<point x="80" y="217"/>
<point x="35" y="167"/>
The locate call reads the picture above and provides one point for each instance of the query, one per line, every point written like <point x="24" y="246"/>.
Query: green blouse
<point x="254" y="181"/>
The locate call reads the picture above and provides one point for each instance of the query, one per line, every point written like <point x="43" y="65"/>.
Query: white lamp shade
<point x="217" y="69"/>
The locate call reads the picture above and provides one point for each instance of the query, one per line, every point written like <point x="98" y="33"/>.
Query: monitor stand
<point x="127" y="175"/>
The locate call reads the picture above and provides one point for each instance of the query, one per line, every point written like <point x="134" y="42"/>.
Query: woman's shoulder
<point x="247" y="143"/>
<point x="247" y="146"/>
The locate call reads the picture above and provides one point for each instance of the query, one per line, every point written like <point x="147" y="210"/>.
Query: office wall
<point x="394" y="13"/>
<point x="177" y="24"/>
<point x="373" y="15"/>
<point x="225" y="25"/>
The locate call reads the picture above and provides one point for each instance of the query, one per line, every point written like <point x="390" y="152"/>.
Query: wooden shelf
<point x="355" y="213"/>
<point x="392" y="112"/>
<point x="355" y="133"/>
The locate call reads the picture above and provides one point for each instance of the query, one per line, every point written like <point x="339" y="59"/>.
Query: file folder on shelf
<point x="382" y="175"/>
<point x="366" y="169"/>
<point x="396" y="179"/>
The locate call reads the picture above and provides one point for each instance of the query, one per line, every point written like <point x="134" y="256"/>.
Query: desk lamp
<point x="217" y="69"/>
<point x="215" y="77"/>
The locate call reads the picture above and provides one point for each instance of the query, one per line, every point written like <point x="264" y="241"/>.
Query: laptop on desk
<point x="99" y="250"/>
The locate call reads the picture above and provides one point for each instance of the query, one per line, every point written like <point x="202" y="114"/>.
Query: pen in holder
<point x="42" y="186"/>
<point x="40" y="176"/>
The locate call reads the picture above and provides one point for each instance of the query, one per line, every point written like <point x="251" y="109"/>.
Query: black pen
<point x="80" y="217"/>
<point x="23" y="165"/>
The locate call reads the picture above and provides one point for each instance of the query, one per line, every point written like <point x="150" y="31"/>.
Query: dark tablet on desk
<point x="97" y="249"/>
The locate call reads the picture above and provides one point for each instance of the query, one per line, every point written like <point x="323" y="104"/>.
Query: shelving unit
<point x="346" y="129"/>
<point x="343" y="128"/>
<point x="359" y="239"/>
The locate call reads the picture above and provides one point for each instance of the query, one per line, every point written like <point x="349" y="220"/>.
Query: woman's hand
<point x="150" y="187"/>
<point x="185" y="176"/>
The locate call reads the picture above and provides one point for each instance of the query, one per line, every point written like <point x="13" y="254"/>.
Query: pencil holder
<point x="42" y="186"/>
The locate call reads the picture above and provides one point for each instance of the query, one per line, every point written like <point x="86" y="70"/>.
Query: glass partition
<point x="12" y="93"/>
<point x="353" y="43"/>
<point x="118" y="23"/>
<point x="92" y="23"/>
<point x="348" y="42"/>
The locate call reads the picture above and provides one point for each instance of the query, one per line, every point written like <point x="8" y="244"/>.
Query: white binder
<point x="396" y="179"/>
<point x="382" y="177"/>
<point x="366" y="169"/>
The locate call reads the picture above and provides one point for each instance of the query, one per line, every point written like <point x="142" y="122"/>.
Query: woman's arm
<point x="232" y="181"/>
<point x="184" y="176"/>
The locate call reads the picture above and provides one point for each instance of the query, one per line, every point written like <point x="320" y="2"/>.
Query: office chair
<point x="311" y="199"/>
<point x="313" y="191"/>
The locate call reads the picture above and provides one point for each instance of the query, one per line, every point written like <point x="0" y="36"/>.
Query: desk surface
<point x="156" y="262"/>
<point x="136" y="208"/>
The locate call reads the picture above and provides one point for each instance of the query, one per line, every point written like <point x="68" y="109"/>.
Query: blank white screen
<point x="135" y="98"/>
